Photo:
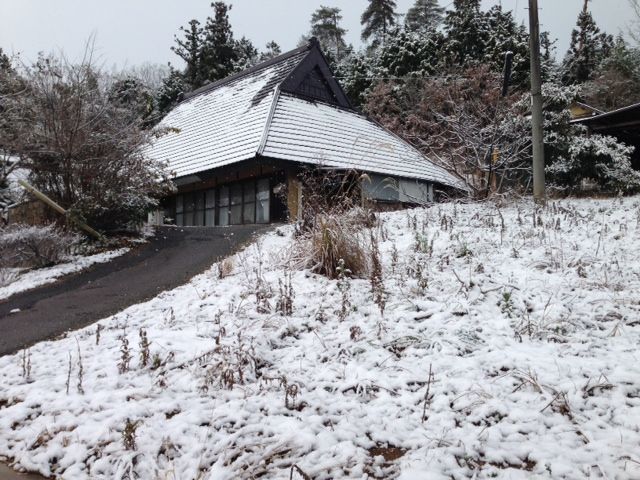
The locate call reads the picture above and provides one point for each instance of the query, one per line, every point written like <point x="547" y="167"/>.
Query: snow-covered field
<point x="15" y="280"/>
<point x="508" y="348"/>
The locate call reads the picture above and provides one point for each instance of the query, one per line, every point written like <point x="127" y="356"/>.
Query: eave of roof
<point x="609" y="116"/>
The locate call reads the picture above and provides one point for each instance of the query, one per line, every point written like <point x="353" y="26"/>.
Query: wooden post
<point x="536" y="104"/>
<point x="43" y="198"/>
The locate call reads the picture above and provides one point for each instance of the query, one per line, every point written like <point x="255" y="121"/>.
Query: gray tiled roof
<point x="317" y="133"/>
<point x="246" y="116"/>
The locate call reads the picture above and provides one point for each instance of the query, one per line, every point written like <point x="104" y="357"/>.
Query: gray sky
<point x="132" y="32"/>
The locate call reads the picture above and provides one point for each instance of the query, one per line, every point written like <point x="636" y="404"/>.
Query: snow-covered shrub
<point x="571" y="154"/>
<point x="83" y="141"/>
<point x="34" y="246"/>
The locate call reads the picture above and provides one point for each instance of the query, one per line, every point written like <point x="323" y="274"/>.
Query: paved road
<point x="7" y="474"/>
<point x="170" y="259"/>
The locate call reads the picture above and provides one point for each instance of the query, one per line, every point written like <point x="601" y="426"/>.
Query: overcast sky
<point x="132" y="32"/>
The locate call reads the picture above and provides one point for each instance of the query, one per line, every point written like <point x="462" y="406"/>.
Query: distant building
<point x="582" y="110"/>
<point x="233" y="145"/>
<point x="623" y="123"/>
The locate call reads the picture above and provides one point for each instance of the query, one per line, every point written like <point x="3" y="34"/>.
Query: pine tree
<point x="272" y="50"/>
<point x="377" y="20"/>
<point x="355" y="75"/>
<point x="505" y="35"/>
<point x="407" y="53"/>
<point x="588" y="48"/>
<point x="425" y="15"/>
<point x="325" y="26"/>
<point x="548" y="66"/>
<point x="246" y="54"/>
<point x="616" y="82"/>
<point x="218" y="51"/>
<point x="5" y="62"/>
<point x="169" y="93"/>
<point x="467" y="31"/>
<point x="189" y="49"/>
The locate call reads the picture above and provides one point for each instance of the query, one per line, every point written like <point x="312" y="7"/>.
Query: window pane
<point x="262" y="204"/>
<point x="179" y="204"/>
<point x="188" y="202"/>
<point x="263" y="189"/>
<point x="236" y="195"/>
<point x="210" y="217"/>
<point x="211" y="199"/>
<point x="199" y="200"/>
<point x="188" y="219"/>
<point x="223" y="216"/>
<point x="236" y="214"/>
<point x="249" y="192"/>
<point x="180" y="220"/>
<point x="249" y="213"/>
<point x="199" y="218"/>
<point x="224" y="196"/>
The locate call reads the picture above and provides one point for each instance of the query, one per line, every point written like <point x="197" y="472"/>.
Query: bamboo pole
<point x="43" y="198"/>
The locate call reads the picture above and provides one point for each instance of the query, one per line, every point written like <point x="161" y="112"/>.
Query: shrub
<point x="34" y="246"/>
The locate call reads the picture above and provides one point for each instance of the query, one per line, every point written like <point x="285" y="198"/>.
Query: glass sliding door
<point x="223" y="206"/>
<point x="235" y="210"/>
<point x="180" y="211"/>
<point x="262" y="201"/>
<point x="249" y="200"/>
<point x="232" y="204"/>
<point x="210" y="208"/>
<point x="189" y="209"/>
<point x="198" y="220"/>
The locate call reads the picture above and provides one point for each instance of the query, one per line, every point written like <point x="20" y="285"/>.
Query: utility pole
<point x="536" y="104"/>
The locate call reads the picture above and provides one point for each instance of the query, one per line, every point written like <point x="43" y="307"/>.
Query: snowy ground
<point x="16" y="280"/>
<point x="530" y="331"/>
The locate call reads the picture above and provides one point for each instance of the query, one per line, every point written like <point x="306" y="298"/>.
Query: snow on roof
<point x="246" y="116"/>
<point x="317" y="133"/>
<point x="223" y="124"/>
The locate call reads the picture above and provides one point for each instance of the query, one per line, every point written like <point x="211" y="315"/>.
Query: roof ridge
<point x="267" y="126"/>
<point x="260" y="66"/>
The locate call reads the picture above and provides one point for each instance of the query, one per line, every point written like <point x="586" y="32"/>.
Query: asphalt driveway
<point x="169" y="259"/>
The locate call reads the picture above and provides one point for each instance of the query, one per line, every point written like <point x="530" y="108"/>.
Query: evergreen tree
<point x="246" y="55"/>
<point x="355" y="75"/>
<point x="189" y="49"/>
<point x="505" y="35"/>
<point x="588" y="48"/>
<point x="467" y="31"/>
<point x="377" y="20"/>
<point x="409" y="54"/>
<point x="548" y="66"/>
<point x="325" y="26"/>
<point x="272" y="50"/>
<point x="131" y="94"/>
<point x="425" y="15"/>
<point x="5" y="62"/>
<point x="219" y="51"/>
<point x="169" y="93"/>
<point x="616" y="82"/>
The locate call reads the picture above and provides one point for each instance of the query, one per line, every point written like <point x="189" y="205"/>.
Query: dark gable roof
<point x="295" y="54"/>
<point x="290" y="108"/>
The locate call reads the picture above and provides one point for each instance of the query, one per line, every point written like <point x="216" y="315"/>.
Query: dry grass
<point x="331" y="239"/>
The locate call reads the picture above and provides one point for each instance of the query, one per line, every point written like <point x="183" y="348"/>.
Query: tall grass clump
<point x="333" y="238"/>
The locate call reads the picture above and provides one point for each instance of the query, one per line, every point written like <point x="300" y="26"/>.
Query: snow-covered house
<point x="234" y="144"/>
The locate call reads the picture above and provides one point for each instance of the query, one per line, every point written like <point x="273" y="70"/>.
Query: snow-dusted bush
<point x="83" y="142"/>
<point x="34" y="246"/>
<point x="571" y="154"/>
